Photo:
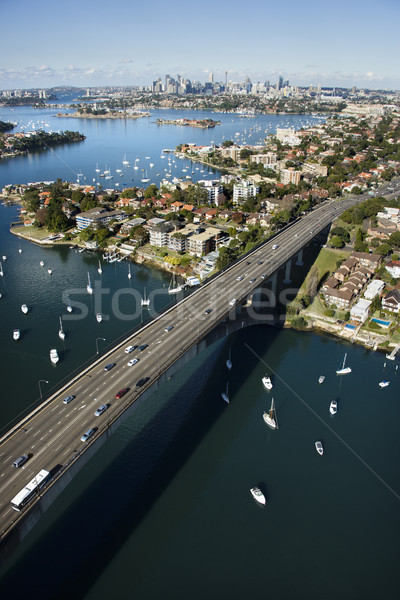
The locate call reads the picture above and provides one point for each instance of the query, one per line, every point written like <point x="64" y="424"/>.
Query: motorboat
<point x="228" y="361"/>
<point x="99" y="317"/>
<point x="129" y="272"/>
<point x="384" y="383"/>
<point x="270" y="417"/>
<point x="49" y="271"/>
<point x="267" y="383"/>
<point x="319" y="448"/>
<point x="89" y="286"/>
<point x="24" y="308"/>
<point x="333" y="407"/>
<point x="41" y="263"/>
<point x="343" y="370"/>
<point x="99" y="269"/>
<point x="145" y="301"/>
<point x="258" y="495"/>
<point x="321" y="379"/>
<point x="54" y="356"/>
<point x="16" y="334"/>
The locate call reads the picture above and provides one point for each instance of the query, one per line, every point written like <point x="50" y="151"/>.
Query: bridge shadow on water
<point x="88" y="524"/>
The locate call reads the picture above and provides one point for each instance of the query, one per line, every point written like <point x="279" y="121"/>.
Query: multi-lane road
<point x="51" y="436"/>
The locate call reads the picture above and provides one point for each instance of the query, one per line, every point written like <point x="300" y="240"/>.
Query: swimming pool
<point x="349" y="326"/>
<point x="381" y="322"/>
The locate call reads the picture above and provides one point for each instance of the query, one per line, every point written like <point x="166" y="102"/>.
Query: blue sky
<point x="121" y="42"/>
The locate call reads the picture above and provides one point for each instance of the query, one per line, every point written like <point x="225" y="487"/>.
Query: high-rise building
<point x="211" y="77"/>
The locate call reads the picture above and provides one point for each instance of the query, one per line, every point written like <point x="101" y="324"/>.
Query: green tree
<point x="383" y="249"/>
<point x="336" y="242"/>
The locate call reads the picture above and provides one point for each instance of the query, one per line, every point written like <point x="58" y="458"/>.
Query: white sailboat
<point x="321" y="379"/>
<point x="319" y="448"/>
<point x="145" y="301"/>
<point x="270" y="417"/>
<point x="129" y="272"/>
<point x="89" y="285"/>
<point x="146" y="178"/>
<point x="125" y="162"/>
<point x="267" y="383"/>
<point x="99" y="317"/>
<point x="69" y="307"/>
<point x="1" y="270"/>
<point x="173" y="287"/>
<point x="99" y="269"/>
<point x="16" y="334"/>
<point x="49" y="271"/>
<point x="228" y="361"/>
<point x="61" y="333"/>
<point x="225" y="395"/>
<point x="343" y="370"/>
<point x="54" y="356"/>
<point x="41" y="263"/>
<point x="24" y="308"/>
<point x="258" y="495"/>
<point x="333" y="407"/>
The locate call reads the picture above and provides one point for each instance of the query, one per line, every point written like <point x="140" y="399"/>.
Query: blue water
<point x="349" y="326"/>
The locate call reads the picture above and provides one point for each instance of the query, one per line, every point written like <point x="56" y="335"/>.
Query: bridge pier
<point x="299" y="261"/>
<point x="287" y="272"/>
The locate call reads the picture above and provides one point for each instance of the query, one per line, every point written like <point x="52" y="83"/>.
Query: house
<point x="341" y="298"/>
<point x="371" y="261"/>
<point x="374" y="288"/>
<point x="360" y="311"/>
<point x="393" y="267"/>
<point x="391" y="301"/>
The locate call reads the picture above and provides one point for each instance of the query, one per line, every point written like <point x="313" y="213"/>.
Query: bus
<point x="30" y="490"/>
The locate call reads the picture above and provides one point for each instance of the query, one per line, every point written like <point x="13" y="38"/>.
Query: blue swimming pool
<point x="349" y="326"/>
<point x="381" y="322"/>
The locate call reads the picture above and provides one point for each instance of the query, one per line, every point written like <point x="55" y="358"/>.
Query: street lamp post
<point x="97" y="345"/>
<point x="40" y="389"/>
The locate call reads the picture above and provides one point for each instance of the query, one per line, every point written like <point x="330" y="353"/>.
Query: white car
<point x="133" y="362"/>
<point x="100" y="410"/>
<point x="129" y="349"/>
<point x="275" y="246"/>
<point x="240" y="278"/>
<point x="233" y="302"/>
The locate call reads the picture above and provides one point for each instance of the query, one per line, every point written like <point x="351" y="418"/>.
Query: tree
<point x="383" y="249"/>
<point x="151" y="191"/>
<point x="227" y="144"/>
<point x="341" y="232"/>
<point x="394" y="239"/>
<point x="336" y="242"/>
<point x="245" y="153"/>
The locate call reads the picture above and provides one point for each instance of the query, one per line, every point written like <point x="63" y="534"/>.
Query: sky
<point x="86" y="43"/>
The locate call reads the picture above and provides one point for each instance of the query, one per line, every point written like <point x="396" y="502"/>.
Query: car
<point x="240" y="278"/>
<point x="169" y="328"/>
<point x="263" y="276"/>
<point x="143" y="347"/>
<point x="121" y="393"/>
<point x="87" y="435"/>
<point x="68" y="399"/>
<point x="100" y="410"/>
<point x="248" y="262"/>
<point x="233" y="302"/>
<point x="207" y="311"/>
<point x="130" y="349"/>
<point x="260" y="262"/>
<point x="142" y="381"/>
<point x="20" y="461"/>
<point x="275" y="246"/>
<point x="252" y="280"/>
<point x="109" y="366"/>
<point x="133" y="362"/>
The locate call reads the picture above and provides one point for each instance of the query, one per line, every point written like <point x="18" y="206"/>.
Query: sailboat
<point x="321" y="379"/>
<point x="270" y="417"/>
<point x="319" y="448"/>
<point x="225" y="395"/>
<point x="129" y="272"/>
<point x="54" y="356"/>
<point x="125" y="162"/>
<point x="69" y="307"/>
<point x="173" y="287"/>
<point x="99" y="317"/>
<point x="61" y="333"/>
<point x="99" y="270"/>
<point x="146" y="178"/>
<point x="333" y="407"/>
<point x="145" y="301"/>
<point x="343" y="370"/>
<point x="24" y="308"/>
<point x="228" y="361"/>
<point x="16" y="334"/>
<point x="89" y="285"/>
<point x="1" y="270"/>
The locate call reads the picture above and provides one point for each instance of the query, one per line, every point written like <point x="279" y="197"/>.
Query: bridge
<point x="51" y="434"/>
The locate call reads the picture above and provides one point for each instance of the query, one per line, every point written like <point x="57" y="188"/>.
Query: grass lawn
<point x="33" y="232"/>
<point x="326" y="263"/>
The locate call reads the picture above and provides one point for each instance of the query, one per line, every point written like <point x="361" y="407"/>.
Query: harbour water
<point x="164" y="508"/>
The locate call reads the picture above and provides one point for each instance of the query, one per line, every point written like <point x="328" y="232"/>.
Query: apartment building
<point x="244" y="190"/>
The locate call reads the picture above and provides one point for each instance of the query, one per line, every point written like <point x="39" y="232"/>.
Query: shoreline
<point x="76" y="115"/>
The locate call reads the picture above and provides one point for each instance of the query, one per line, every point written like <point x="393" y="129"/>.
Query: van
<point x="20" y="461"/>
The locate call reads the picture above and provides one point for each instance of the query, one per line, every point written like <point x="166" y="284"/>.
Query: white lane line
<point x="37" y="433"/>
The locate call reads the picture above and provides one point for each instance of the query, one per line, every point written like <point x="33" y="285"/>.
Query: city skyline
<point x="97" y="44"/>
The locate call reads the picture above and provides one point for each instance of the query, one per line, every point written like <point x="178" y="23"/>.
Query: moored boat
<point x="267" y="383"/>
<point x="16" y="334"/>
<point x="333" y="407"/>
<point x="319" y="448"/>
<point x="54" y="356"/>
<point x="383" y="383"/>
<point x="258" y="495"/>
<point x="343" y="370"/>
<point x="321" y="379"/>
<point x="270" y="417"/>
<point x="24" y="308"/>
<point x="225" y="395"/>
<point x="99" y="317"/>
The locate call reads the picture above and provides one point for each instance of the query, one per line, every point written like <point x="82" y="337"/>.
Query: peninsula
<point x="202" y="123"/>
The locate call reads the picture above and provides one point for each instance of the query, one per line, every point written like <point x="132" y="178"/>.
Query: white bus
<point x="30" y="490"/>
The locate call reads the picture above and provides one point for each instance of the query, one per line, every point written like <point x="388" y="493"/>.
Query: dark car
<point x="68" y="399"/>
<point x="252" y="280"/>
<point x="109" y="366"/>
<point x="142" y="347"/>
<point x="207" y="312"/>
<point x="122" y="393"/>
<point x="169" y="328"/>
<point x="142" y="381"/>
<point x="260" y="262"/>
<point x="248" y="262"/>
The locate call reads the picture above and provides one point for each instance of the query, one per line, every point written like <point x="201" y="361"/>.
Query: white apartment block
<point x="244" y="190"/>
<point x="214" y="190"/>
<point x="269" y="158"/>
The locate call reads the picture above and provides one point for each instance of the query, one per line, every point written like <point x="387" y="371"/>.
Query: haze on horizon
<point x="120" y="43"/>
